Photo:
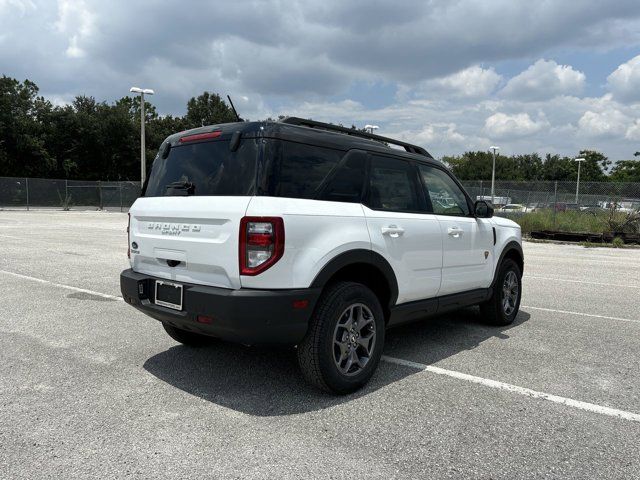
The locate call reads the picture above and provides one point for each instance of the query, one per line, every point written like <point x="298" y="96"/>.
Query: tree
<point x="626" y="171"/>
<point x="22" y="125"/>
<point x="208" y="109"/>
<point x="594" y="167"/>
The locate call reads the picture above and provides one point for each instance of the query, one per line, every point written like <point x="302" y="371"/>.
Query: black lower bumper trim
<point x="244" y="315"/>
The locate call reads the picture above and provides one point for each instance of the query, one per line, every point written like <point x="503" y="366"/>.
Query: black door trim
<point x="412" y="311"/>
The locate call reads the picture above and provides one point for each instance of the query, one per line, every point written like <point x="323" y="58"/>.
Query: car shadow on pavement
<point x="267" y="382"/>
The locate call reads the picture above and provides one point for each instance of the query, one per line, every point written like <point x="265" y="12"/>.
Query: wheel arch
<point x="512" y="250"/>
<point x="366" y="267"/>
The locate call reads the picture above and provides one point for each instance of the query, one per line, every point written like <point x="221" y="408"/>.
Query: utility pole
<point x="493" y="174"/>
<point x="143" y="164"/>
<point x="579" y="160"/>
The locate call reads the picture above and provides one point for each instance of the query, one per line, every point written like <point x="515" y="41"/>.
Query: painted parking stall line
<point x="527" y="392"/>
<point x="61" y="285"/>
<point x="590" y="407"/>
<point x="604" y="284"/>
<point x="118" y="297"/>
<point x="582" y="314"/>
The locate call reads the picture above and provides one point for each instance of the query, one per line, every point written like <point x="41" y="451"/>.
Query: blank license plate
<point x="169" y="295"/>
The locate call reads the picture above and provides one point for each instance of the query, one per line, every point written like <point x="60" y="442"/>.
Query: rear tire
<point x="503" y="306"/>
<point x="344" y="343"/>
<point x="190" y="339"/>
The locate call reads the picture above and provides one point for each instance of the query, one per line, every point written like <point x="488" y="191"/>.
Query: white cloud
<point x="609" y="123"/>
<point x="503" y="126"/>
<point x="624" y="82"/>
<point x="426" y="70"/>
<point x="17" y="7"/>
<point x="77" y="21"/>
<point x="633" y="132"/>
<point x="543" y="80"/>
<point x="472" y="82"/>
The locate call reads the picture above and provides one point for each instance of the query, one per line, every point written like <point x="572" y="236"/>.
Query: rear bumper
<point x="244" y="316"/>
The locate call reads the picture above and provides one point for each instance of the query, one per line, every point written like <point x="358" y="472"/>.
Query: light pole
<point x="371" y="128"/>
<point x="493" y="174"/>
<point x="579" y="160"/>
<point x="143" y="166"/>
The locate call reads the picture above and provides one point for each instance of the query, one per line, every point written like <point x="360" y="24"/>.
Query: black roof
<point x="314" y="133"/>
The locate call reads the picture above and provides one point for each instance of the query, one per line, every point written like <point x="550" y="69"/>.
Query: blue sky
<point x="450" y="75"/>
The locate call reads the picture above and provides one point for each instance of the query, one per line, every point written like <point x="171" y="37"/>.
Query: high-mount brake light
<point x="200" y="136"/>
<point x="261" y="243"/>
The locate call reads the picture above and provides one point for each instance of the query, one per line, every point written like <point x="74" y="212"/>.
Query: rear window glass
<point x="207" y="168"/>
<point x="297" y="170"/>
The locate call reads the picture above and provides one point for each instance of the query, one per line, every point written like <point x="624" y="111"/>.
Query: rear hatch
<point x="186" y="225"/>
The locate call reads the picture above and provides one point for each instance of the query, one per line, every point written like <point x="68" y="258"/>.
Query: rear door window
<point x="346" y="182"/>
<point x="297" y="170"/>
<point x="392" y="185"/>
<point x="205" y="168"/>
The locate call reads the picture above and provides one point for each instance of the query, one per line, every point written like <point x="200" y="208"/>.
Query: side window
<point x="392" y="185"/>
<point x="299" y="170"/>
<point x="445" y="195"/>
<point x="345" y="185"/>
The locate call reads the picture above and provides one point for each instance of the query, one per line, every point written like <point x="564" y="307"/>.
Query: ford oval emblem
<point x="134" y="245"/>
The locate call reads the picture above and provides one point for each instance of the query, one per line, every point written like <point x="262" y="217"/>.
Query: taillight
<point x="261" y="243"/>
<point x="128" y="236"/>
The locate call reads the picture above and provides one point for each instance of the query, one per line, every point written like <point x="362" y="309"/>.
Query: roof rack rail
<point x="356" y="133"/>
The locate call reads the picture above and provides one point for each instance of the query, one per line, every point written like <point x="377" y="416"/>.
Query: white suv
<point x="304" y="233"/>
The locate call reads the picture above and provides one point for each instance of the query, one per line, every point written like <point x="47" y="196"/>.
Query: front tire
<point x="503" y="306"/>
<point x="344" y="343"/>
<point x="190" y="339"/>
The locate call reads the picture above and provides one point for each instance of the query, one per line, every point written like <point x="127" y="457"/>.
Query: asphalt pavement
<point x="89" y="387"/>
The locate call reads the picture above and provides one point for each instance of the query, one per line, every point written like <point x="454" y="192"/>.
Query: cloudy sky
<point x="451" y="75"/>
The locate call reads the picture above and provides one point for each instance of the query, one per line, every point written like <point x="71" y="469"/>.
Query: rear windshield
<point x="207" y="168"/>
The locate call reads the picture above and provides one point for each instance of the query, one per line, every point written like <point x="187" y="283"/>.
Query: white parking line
<point x="61" y="285"/>
<point x="527" y="392"/>
<point x="631" y="320"/>
<point x="118" y="297"/>
<point x="591" y="407"/>
<point x="583" y="281"/>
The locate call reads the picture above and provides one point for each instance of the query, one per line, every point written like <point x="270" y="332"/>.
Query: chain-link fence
<point x="591" y="211"/>
<point x="66" y="194"/>
<point x="527" y="195"/>
<point x="532" y="194"/>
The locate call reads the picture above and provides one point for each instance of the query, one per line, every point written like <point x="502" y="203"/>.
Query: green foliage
<point x="626" y="171"/>
<point x="88" y="139"/>
<point x="568" y="221"/>
<point x="478" y="165"/>
<point x="617" y="242"/>
<point x="579" y="222"/>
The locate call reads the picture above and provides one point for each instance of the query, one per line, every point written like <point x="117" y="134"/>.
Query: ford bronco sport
<point x="304" y="233"/>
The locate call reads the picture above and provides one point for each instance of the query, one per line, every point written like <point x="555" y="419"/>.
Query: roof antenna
<point x="234" y="109"/>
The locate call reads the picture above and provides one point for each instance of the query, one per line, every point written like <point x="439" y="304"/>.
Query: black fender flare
<point x="509" y="247"/>
<point x="361" y="256"/>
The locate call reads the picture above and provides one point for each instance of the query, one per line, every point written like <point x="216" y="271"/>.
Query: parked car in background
<point x="513" y="208"/>
<point x="563" y="207"/>
<point x="592" y="208"/>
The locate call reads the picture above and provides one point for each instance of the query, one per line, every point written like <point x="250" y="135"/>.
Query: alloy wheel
<point x="354" y="339"/>
<point x="510" y="293"/>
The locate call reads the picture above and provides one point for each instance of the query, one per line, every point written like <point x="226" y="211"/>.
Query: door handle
<point x="392" y="231"/>
<point x="455" y="232"/>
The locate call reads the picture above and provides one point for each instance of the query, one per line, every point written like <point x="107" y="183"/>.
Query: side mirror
<point x="483" y="209"/>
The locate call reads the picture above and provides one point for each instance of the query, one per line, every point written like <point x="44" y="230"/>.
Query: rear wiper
<point x="181" y="188"/>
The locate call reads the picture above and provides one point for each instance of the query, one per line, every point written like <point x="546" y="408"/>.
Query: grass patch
<point x="571" y="221"/>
